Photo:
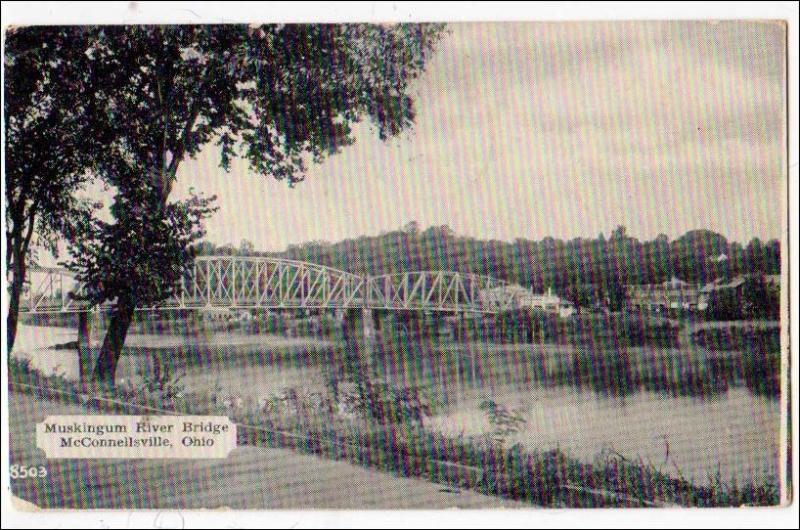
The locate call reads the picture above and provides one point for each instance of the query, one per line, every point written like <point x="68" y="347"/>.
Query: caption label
<point x="85" y="436"/>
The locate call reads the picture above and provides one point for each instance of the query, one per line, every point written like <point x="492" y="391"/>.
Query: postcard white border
<point x="22" y="13"/>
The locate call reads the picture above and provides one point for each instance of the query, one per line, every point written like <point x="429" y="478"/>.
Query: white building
<point x="525" y="298"/>
<point x="548" y="302"/>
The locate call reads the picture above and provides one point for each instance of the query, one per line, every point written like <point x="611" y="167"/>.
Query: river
<point x="734" y="433"/>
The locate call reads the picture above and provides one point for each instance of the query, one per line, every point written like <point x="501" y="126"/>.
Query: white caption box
<point x="86" y="436"/>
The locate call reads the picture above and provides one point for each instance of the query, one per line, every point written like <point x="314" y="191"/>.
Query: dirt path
<point x="250" y="478"/>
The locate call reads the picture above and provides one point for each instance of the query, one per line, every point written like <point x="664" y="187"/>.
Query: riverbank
<point x="485" y="464"/>
<point x="252" y="477"/>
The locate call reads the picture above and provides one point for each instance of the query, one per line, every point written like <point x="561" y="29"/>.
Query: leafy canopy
<point x="49" y="133"/>
<point x="271" y="94"/>
<point x="275" y="95"/>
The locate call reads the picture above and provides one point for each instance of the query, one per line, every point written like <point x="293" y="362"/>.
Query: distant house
<point x="737" y="285"/>
<point x="674" y="294"/>
<point x="548" y="302"/>
<point x="525" y="298"/>
<point x="497" y="296"/>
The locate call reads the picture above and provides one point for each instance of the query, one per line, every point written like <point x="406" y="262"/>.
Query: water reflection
<point x="736" y="435"/>
<point x="693" y="371"/>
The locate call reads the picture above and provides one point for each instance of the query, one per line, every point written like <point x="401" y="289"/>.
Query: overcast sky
<point x="549" y="129"/>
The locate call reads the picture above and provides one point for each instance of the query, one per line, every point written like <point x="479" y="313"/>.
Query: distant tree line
<point x="584" y="270"/>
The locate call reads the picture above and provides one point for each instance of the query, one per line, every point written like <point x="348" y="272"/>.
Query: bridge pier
<point x="358" y="329"/>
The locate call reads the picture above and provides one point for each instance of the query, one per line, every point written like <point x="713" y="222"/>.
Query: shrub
<point x="268" y="323"/>
<point x="761" y="363"/>
<point x="504" y="422"/>
<point x="160" y="379"/>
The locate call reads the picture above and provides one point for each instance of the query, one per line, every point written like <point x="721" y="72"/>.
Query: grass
<point x="406" y="448"/>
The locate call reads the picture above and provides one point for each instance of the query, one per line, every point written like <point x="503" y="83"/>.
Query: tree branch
<point x="183" y="146"/>
<point x="31" y="223"/>
<point x="187" y="131"/>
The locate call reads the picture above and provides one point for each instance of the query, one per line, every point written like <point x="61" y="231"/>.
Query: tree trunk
<point x="17" y="284"/>
<point x="106" y="368"/>
<point x="84" y="346"/>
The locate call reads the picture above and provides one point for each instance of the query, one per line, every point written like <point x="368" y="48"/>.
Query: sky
<point x="529" y="130"/>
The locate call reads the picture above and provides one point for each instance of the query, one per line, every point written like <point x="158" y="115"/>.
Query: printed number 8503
<point x="16" y="471"/>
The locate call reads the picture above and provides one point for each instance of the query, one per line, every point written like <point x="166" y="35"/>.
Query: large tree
<point x="697" y="255"/>
<point x="279" y="96"/>
<point x="50" y="138"/>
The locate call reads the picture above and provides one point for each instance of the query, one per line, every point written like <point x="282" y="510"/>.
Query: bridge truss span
<point x="239" y="282"/>
<point x="438" y="291"/>
<point x="52" y="289"/>
<point x="258" y="282"/>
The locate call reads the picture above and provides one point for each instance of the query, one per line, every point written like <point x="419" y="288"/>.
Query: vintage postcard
<point x="396" y="265"/>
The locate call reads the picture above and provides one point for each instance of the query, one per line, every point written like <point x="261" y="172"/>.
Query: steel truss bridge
<point x="237" y="282"/>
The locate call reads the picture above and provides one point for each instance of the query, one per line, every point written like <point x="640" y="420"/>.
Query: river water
<point x="734" y="433"/>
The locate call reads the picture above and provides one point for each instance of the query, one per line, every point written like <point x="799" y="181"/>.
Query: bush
<point x="761" y="362"/>
<point x="724" y="304"/>
<point x="273" y="323"/>
<point x="160" y="379"/>
<point x="761" y="299"/>
<point x="504" y="422"/>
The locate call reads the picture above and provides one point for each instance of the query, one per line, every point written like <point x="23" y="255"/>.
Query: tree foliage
<point x="111" y="253"/>
<point x="50" y="137"/>
<point x="279" y="96"/>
